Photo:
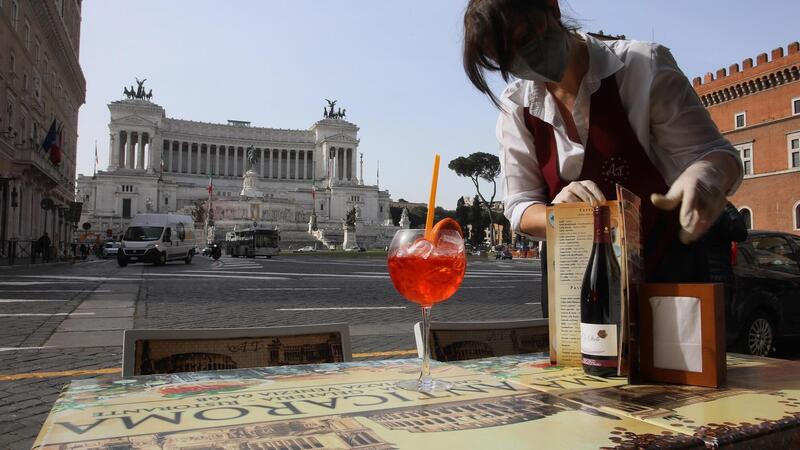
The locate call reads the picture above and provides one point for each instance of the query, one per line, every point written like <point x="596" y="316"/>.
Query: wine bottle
<point x="600" y="302"/>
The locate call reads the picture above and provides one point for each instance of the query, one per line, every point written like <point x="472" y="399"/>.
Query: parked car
<point x="110" y="249"/>
<point x="305" y="249"/>
<point x="766" y="305"/>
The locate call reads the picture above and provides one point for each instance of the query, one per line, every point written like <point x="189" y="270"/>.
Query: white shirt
<point x="664" y="112"/>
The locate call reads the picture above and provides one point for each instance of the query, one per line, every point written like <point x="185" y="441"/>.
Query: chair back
<point x="457" y="341"/>
<point x="146" y="352"/>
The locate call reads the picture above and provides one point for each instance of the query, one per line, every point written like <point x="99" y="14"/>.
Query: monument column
<point x="140" y="156"/>
<point x="261" y="158"/>
<point x="189" y="157"/>
<point x="216" y="159"/>
<point x="269" y="173"/>
<point x="209" y="169"/>
<point x="225" y="147"/>
<point x="113" y="153"/>
<point x="180" y="157"/>
<point x="121" y="149"/>
<point x="235" y="160"/>
<point x="154" y="157"/>
<point x="131" y="146"/>
<point x="123" y="157"/>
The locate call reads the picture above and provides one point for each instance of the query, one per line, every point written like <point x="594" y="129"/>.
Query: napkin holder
<point x="682" y="333"/>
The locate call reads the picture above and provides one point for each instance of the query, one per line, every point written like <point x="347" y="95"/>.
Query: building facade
<point x="757" y="108"/>
<point x="40" y="81"/>
<point x="162" y="164"/>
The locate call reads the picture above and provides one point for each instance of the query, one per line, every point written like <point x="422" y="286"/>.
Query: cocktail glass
<point x="426" y="272"/>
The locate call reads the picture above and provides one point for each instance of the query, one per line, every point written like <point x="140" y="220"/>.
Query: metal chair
<point x="146" y="352"/>
<point x="457" y="341"/>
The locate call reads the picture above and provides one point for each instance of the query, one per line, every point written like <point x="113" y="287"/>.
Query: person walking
<point x="44" y="247"/>
<point x="580" y="115"/>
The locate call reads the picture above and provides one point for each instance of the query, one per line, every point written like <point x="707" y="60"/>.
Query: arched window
<point x="797" y="216"/>
<point x="747" y="216"/>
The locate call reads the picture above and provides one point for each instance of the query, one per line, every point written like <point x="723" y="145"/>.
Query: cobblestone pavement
<point x="64" y="322"/>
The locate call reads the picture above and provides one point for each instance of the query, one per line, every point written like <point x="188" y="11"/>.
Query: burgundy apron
<point x="613" y="155"/>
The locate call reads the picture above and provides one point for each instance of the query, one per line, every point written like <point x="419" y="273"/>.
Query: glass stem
<point x="425" y="375"/>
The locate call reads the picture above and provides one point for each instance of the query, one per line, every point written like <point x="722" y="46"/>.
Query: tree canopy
<point x="480" y="166"/>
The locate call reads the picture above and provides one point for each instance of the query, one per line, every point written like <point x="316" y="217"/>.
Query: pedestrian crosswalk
<point x="343" y="268"/>
<point x="236" y="264"/>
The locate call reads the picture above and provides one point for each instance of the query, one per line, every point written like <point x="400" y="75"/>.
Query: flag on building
<point x="210" y="184"/>
<point x="96" y="160"/>
<point x="162" y="162"/>
<point x="314" y="194"/>
<point x="51" y="138"/>
<point x="55" y="150"/>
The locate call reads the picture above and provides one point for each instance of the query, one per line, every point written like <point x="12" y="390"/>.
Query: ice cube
<point x="419" y="249"/>
<point x="450" y="244"/>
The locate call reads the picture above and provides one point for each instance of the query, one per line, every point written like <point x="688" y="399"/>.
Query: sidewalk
<point x="25" y="263"/>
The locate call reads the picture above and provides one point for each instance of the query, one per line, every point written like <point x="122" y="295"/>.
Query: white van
<point x="157" y="238"/>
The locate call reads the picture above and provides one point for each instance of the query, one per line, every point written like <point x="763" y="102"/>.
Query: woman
<point x="583" y="115"/>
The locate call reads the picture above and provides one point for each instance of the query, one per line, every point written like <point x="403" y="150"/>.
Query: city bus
<point x="252" y="242"/>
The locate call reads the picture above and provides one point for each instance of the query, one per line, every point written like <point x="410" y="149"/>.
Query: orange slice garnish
<point x="445" y="224"/>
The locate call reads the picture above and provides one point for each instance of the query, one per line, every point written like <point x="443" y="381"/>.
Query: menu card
<point x="353" y="405"/>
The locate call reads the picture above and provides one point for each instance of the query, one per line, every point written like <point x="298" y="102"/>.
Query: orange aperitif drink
<point x="427" y="278"/>
<point x="427" y="269"/>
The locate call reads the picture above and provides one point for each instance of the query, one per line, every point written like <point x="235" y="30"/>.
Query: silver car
<point x="110" y="249"/>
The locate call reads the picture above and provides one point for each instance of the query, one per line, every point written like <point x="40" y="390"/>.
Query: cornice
<point x="55" y="34"/>
<point x="340" y="138"/>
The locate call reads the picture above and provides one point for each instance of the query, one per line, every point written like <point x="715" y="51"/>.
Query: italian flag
<point x="210" y="184"/>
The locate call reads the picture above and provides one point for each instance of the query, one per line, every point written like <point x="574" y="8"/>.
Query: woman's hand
<point x="580" y="191"/>
<point x="699" y="191"/>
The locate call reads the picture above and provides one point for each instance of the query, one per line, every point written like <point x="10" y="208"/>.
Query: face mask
<point x="543" y="59"/>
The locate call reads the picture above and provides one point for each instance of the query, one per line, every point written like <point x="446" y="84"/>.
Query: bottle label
<point x="599" y="339"/>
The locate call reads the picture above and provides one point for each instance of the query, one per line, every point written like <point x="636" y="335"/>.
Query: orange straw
<point x="432" y="200"/>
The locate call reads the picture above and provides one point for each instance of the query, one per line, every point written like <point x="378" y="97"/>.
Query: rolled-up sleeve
<point x="522" y="180"/>
<point x="681" y="128"/>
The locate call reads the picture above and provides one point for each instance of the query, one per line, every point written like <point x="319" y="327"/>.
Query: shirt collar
<point x="603" y="62"/>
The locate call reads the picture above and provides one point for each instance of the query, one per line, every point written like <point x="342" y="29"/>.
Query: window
<point x="747" y="217"/>
<point x="775" y="253"/>
<point x="126" y="208"/>
<point x="166" y="200"/>
<point x="12" y="61"/>
<point x="27" y="35"/>
<point x="797" y="218"/>
<point x="740" y="120"/>
<point x="14" y="14"/>
<point x="794" y="150"/>
<point x="796" y="106"/>
<point x="746" y="154"/>
<point x="37" y="51"/>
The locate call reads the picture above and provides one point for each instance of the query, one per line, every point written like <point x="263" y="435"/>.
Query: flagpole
<point x="95" y="158"/>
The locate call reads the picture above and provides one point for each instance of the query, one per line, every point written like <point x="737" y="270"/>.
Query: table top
<point x="507" y="402"/>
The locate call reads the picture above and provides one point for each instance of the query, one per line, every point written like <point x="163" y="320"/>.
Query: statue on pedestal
<point x="405" y="222"/>
<point x="252" y="157"/>
<point x="312" y="223"/>
<point x="349" y="227"/>
<point x="350" y="219"/>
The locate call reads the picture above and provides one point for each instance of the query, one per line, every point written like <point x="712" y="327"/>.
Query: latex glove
<point x="699" y="191"/>
<point x="580" y="191"/>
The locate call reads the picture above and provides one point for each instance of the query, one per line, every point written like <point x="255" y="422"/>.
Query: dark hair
<point x="489" y="36"/>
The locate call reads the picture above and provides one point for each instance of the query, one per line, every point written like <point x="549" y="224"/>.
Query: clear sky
<point x="395" y="67"/>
